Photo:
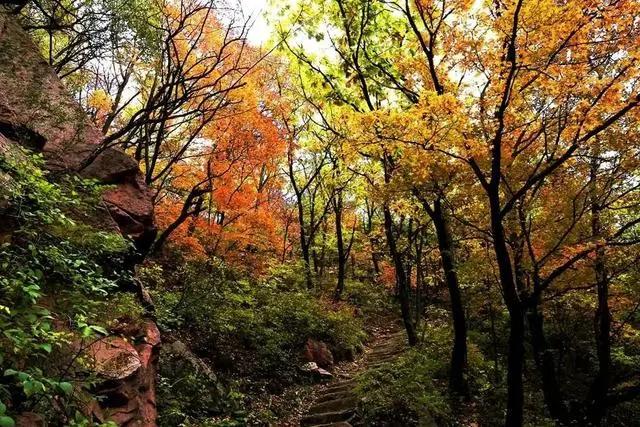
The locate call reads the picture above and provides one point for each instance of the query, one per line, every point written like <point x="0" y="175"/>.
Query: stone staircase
<point x="337" y="404"/>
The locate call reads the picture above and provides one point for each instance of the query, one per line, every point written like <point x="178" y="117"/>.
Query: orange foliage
<point x="236" y="154"/>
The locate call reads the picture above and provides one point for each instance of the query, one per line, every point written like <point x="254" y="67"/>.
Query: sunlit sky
<point x="260" y="30"/>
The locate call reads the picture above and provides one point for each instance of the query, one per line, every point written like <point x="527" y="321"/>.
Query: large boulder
<point x="199" y="366"/>
<point x="114" y="358"/>
<point x="318" y="352"/>
<point x="37" y="112"/>
<point x="128" y="368"/>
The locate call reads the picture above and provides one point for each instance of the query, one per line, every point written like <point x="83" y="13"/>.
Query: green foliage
<point x="80" y="420"/>
<point x="5" y="421"/>
<point x="256" y="329"/>
<point x="49" y="277"/>
<point x="289" y="276"/>
<point x="269" y="318"/>
<point x="413" y="388"/>
<point x="186" y="393"/>
<point x="372" y="298"/>
<point x="405" y="390"/>
<point x="139" y="20"/>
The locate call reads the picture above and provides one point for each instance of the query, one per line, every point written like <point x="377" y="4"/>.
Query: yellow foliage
<point x="100" y="100"/>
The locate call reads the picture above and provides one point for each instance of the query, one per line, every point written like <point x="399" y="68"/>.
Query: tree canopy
<point x="466" y="168"/>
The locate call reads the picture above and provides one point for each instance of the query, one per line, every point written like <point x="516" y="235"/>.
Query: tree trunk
<point x="401" y="278"/>
<point x="352" y="256"/>
<point x="372" y="241"/>
<point x="191" y="207"/>
<point x="323" y="248"/>
<point x="515" y="358"/>
<point x="494" y="335"/>
<point x="375" y="262"/>
<point x="306" y="260"/>
<point x="316" y="261"/>
<point x="602" y="320"/>
<point x="304" y="242"/>
<point x="515" y="364"/>
<point x="304" y="247"/>
<point x="457" y="378"/>
<point x="553" y="396"/>
<point x="342" y="256"/>
<point x="419" y="282"/>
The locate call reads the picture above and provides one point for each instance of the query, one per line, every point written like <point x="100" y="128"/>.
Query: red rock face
<point x="318" y="352"/>
<point x="129" y="370"/>
<point x="37" y="112"/>
<point x="114" y="358"/>
<point x="127" y="362"/>
<point x="133" y="214"/>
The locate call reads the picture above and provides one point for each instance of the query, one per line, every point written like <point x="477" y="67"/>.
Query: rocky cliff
<point x="37" y="112"/>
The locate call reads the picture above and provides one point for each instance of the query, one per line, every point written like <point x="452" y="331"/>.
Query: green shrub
<point x="372" y="298"/>
<point x="288" y="276"/>
<point x="49" y="277"/>
<point x="186" y="393"/>
<point x="404" y="390"/>
<point x="230" y="316"/>
<point x="413" y="388"/>
<point x="255" y="329"/>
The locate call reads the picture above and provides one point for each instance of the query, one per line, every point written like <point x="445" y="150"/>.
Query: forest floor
<point x="334" y="403"/>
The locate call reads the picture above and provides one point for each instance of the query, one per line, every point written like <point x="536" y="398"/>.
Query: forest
<point x="319" y="213"/>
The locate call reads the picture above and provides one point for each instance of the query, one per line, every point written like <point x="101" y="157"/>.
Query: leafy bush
<point x="372" y="298"/>
<point x="53" y="285"/>
<point x="255" y="329"/>
<point x="186" y="393"/>
<point x="288" y="276"/>
<point x="229" y="316"/>
<point x="404" y="390"/>
<point x="412" y="389"/>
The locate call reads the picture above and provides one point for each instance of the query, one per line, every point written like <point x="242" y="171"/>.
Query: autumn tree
<point x="172" y="106"/>
<point x="536" y="111"/>
<point x="76" y="36"/>
<point x="509" y="93"/>
<point x="374" y="74"/>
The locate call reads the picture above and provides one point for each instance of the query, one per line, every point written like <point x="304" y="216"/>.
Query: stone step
<point x="381" y="360"/>
<point x="394" y="353"/>
<point x="385" y="355"/>
<point x="390" y="344"/>
<point x="395" y="338"/>
<point x="334" y="405"/>
<point x="340" y="386"/>
<point x="387" y="344"/>
<point x="375" y="365"/>
<point x="325" y="397"/>
<point x="389" y="349"/>
<point x="327" y="417"/>
<point x="340" y="389"/>
<point x="392" y="340"/>
<point x="339" y="424"/>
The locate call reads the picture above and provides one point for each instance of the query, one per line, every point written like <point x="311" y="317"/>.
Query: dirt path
<point x="336" y="404"/>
